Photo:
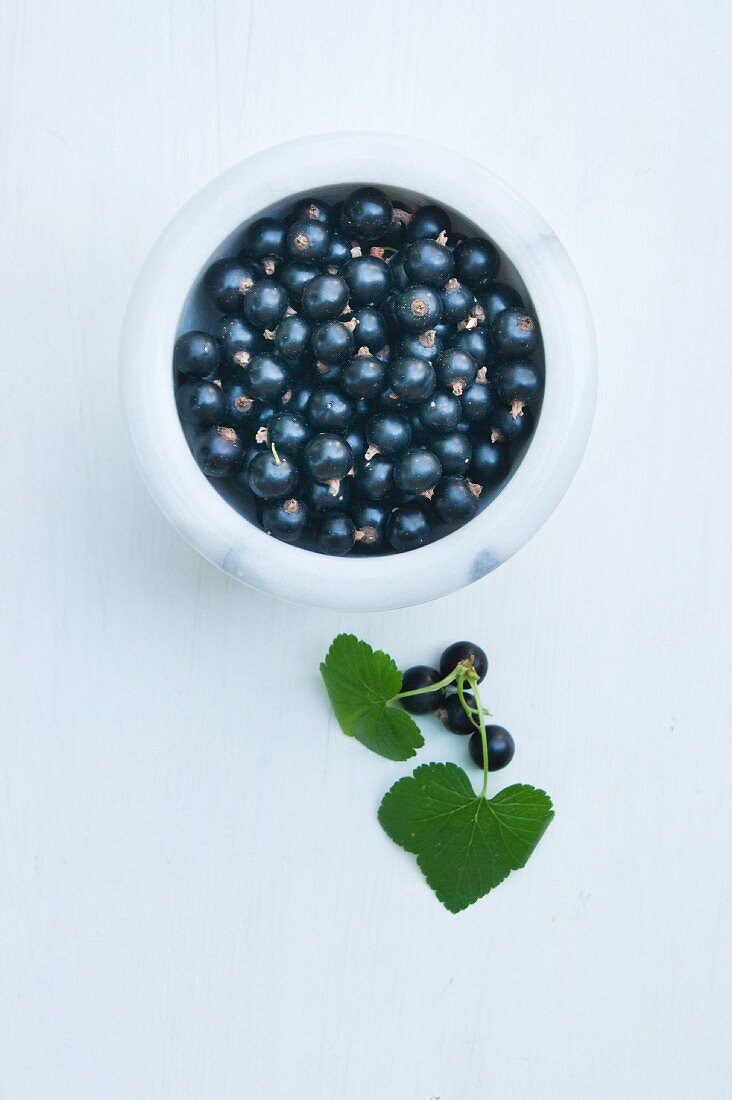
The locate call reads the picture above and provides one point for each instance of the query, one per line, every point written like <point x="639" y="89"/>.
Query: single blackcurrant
<point x="271" y="477"/>
<point x="453" y="715"/>
<point x="228" y="281"/>
<point x="200" y="402"/>
<point x="464" y="651"/>
<point x="417" y="471"/>
<point x="418" y="308"/>
<point x="500" y="745"/>
<point x="196" y="354"/>
<point x="327" y="457"/>
<point x="515" y="333"/>
<point x="218" y="451"/>
<point x="389" y="434"/>
<point x="417" y="678"/>
<point x="286" y="520"/>
<point x="335" y="534"/>
<point x="476" y="262"/>
<point x="366" y="214"/>
<point x="456" y="500"/>
<point x="409" y="527"/>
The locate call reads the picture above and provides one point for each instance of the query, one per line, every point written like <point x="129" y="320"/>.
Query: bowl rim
<point x="231" y="541"/>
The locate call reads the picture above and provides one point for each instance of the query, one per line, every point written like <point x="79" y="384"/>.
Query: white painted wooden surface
<point x="197" y="902"/>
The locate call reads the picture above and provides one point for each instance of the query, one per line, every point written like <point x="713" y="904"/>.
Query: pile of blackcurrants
<point x="368" y="378"/>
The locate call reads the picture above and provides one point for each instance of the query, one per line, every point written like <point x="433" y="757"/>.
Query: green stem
<point x="473" y="681"/>
<point x="277" y="458"/>
<point x="470" y="711"/>
<point x="430" y="687"/>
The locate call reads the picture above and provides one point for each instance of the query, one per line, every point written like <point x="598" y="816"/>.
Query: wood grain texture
<point x="198" y="902"/>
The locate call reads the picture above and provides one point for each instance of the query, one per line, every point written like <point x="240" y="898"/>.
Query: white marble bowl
<point x="162" y="305"/>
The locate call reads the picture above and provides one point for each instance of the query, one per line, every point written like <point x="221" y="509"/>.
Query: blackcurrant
<point x="265" y="237"/>
<point x="286" y="520"/>
<point x="418" y="308"/>
<point x="396" y="234"/>
<point x="218" y="451"/>
<point x="457" y="301"/>
<point x="511" y="425"/>
<point x="489" y="463"/>
<point x="228" y="281"/>
<point x="515" y="333"/>
<point x="477" y="402"/>
<point x="308" y="240"/>
<point x="200" y="402"/>
<point x="241" y="409"/>
<point x="440" y="413"/>
<point x="476" y="262"/>
<point x="476" y="342"/>
<point x="299" y="398"/>
<point x="456" y="370"/>
<point x="518" y="380"/>
<point x="453" y="449"/>
<point x="374" y="477"/>
<point x="500" y="745"/>
<point x="270" y="477"/>
<point x="196" y="354"/>
<point x="292" y="339"/>
<point x="424" y="345"/>
<point x="464" y="651"/>
<point x="329" y="410"/>
<point x="399" y="277"/>
<point x="412" y="378"/>
<point x="327" y="457"/>
<point x="371" y="329"/>
<point x="409" y="526"/>
<point x="369" y="280"/>
<point x="332" y="342"/>
<point x="267" y="376"/>
<point x="366" y="214"/>
<point x="456" y="500"/>
<point x="328" y="374"/>
<point x="335" y="534"/>
<point x="428" y="263"/>
<point x="495" y="298"/>
<point x="453" y="716"/>
<point x="324" y="297"/>
<point x="312" y="209"/>
<point x="288" y="432"/>
<point x="339" y="252"/>
<point x="266" y="304"/>
<point x="370" y="519"/>
<point x="428" y="221"/>
<point x="295" y="276"/>
<point x="240" y="340"/>
<point x="389" y="433"/>
<point x="327" y="498"/>
<point x="362" y="376"/>
<point x="422" y="676"/>
<point x="417" y="471"/>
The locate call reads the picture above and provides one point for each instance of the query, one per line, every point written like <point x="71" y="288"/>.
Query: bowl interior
<point x="198" y="312"/>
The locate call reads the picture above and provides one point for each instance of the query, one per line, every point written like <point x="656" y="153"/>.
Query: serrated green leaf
<point x="464" y="844"/>
<point x="361" y="682"/>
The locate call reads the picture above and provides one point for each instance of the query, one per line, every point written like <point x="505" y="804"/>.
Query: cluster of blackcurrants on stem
<point x="427" y="690"/>
<point x="368" y="378"/>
